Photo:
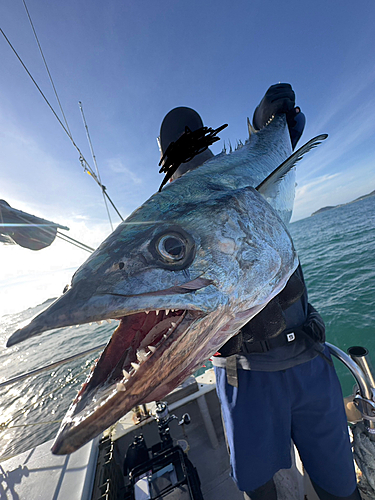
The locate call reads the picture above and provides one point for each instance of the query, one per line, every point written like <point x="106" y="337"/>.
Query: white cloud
<point x="30" y="277"/>
<point x="313" y="195"/>
<point x="342" y="168"/>
<point x="352" y="92"/>
<point x="334" y="188"/>
<point x="117" y="166"/>
<point x="317" y="183"/>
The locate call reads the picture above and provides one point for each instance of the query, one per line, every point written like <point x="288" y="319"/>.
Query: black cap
<point x="174" y="123"/>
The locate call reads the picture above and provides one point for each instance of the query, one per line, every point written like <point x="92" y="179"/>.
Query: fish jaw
<point x="72" y="309"/>
<point x="224" y="246"/>
<point x="165" y="362"/>
<point x="238" y="256"/>
<point x="146" y="372"/>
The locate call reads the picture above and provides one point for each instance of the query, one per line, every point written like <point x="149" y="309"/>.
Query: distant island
<point x="324" y="209"/>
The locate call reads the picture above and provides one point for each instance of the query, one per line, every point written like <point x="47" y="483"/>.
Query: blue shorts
<point x="269" y="409"/>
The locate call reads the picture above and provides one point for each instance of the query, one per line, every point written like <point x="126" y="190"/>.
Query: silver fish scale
<point x="205" y="203"/>
<point x="247" y="166"/>
<point x="236" y="247"/>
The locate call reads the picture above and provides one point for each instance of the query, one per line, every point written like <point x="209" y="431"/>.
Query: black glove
<point x="280" y="98"/>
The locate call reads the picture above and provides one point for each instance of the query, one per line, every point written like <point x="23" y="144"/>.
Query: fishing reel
<point x="138" y="453"/>
<point x="163" y="419"/>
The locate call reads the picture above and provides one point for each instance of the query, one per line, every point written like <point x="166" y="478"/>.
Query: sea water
<point x="337" y="252"/>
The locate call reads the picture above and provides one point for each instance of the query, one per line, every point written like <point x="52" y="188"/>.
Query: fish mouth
<point x="135" y="367"/>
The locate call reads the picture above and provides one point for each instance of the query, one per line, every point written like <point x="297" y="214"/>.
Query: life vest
<point x="284" y="319"/>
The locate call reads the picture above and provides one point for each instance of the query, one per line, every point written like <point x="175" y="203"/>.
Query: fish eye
<point x="171" y="247"/>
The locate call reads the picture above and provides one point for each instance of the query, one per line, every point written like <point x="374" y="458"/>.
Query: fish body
<point x="183" y="274"/>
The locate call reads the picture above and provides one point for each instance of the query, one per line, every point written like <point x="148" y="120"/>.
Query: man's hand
<point x="279" y="98"/>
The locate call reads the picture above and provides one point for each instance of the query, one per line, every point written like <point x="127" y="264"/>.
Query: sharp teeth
<point x="172" y="310"/>
<point x="173" y="324"/>
<point x="120" y="387"/>
<point x="166" y="312"/>
<point x="77" y="326"/>
<point x="135" y="366"/>
<point x="126" y="374"/>
<point x="99" y="322"/>
<point x="141" y="355"/>
<point x="151" y="348"/>
<point x="157" y="311"/>
<point x="108" y="320"/>
<point x="147" y="312"/>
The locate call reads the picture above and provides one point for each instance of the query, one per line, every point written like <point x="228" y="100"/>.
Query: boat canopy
<point x="26" y="230"/>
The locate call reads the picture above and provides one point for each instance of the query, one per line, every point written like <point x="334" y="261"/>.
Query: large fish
<point x="183" y="274"/>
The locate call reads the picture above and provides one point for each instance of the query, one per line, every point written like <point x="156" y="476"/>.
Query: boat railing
<point x="357" y="362"/>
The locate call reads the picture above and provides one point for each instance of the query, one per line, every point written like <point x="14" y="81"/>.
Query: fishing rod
<point x="95" y="162"/>
<point x="85" y="165"/>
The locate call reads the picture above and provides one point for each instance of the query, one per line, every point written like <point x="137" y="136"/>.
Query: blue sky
<point x="130" y="63"/>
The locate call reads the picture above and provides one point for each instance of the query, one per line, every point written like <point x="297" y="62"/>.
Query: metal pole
<point x="360" y="356"/>
<point x="363" y="382"/>
<point x="205" y="412"/>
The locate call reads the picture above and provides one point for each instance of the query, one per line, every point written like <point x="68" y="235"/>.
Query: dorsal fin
<point x="289" y="163"/>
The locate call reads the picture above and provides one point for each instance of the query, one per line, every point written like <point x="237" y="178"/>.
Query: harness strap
<point x="231" y="368"/>
<point x="270" y="322"/>
<point x="261" y="346"/>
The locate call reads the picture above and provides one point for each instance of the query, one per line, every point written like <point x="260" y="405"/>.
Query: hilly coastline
<point x="324" y="209"/>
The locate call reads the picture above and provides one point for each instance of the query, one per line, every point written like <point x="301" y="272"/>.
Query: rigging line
<point x="52" y="365"/>
<point x="36" y="423"/>
<point x="45" y="64"/>
<point x="48" y="104"/>
<point x="85" y="247"/>
<point x="90" y="172"/>
<point x="20" y="412"/>
<point x="74" y="244"/>
<point x="95" y="162"/>
<point x="89" y="140"/>
<point x="82" y="159"/>
<point x="113" y="205"/>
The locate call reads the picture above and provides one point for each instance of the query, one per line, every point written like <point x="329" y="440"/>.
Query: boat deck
<point x="206" y="451"/>
<point x="207" y="447"/>
<point x="96" y="470"/>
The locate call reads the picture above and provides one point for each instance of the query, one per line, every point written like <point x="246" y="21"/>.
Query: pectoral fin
<point x="276" y="176"/>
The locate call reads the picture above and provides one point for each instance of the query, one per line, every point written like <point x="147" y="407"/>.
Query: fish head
<point x="182" y="275"/>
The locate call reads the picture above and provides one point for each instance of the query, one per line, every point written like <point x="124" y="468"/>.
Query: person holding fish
<point x="283" y="388"/>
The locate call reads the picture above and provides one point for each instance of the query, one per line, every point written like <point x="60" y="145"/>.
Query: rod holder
<point x="360" y="355"/>
<point x="356" y="362"/>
